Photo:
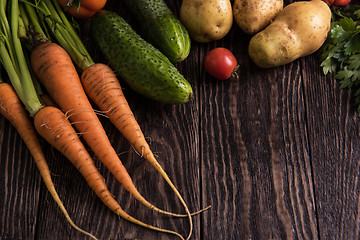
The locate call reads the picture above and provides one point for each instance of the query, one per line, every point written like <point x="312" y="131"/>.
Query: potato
<point x="253" y="16"/>
<point x="206" y="20"/>
<point x="298" y="30"/>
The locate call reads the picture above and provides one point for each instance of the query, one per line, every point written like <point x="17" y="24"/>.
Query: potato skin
<point x="297" y="31"/>
<point x="206" y="20"/>
<point x="253" y="16"/>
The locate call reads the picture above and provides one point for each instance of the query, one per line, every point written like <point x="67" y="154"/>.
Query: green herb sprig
<point x="340" y="54"/>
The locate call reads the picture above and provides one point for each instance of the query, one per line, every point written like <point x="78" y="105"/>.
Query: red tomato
<point x="82" y="8"/>
<point x="220" y="63"/>
<point x="341" y="2"/>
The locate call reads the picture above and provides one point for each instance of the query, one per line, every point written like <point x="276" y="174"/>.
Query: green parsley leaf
<point x="340" y="54"/>
<point x="348" y="77"/>
<point x="354" y="61"/>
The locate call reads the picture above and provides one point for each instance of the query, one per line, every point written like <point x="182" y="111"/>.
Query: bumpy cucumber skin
<point x="161" y="28"/>
<point x="142" y="66"/>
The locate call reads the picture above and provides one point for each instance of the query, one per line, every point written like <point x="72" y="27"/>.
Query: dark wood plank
<point x="334" y="148"/>
<point x="20" y="186"/>
<point x="254" y="146"/>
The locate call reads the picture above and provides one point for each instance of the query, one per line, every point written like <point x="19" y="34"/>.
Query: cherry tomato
<point x="220" y="63"/>
<point x="82" y="8"/>
<point x="341" y="2"/>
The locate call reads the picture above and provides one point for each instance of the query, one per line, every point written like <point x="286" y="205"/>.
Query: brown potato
<point x="298" y="30"/>
<point x="206" y="20"/>
<point x="253" y="16"/>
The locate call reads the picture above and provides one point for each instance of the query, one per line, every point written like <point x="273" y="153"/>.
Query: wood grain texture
<point x="20" y="186"/>
<point x="275" y="152"/>
<point x="334" y="140"/>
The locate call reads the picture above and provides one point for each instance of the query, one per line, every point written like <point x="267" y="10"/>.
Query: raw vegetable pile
<point x="49" y="78"/>
<point x="39" y="48"/>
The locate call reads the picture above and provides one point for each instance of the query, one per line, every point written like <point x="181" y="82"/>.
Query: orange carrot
<point x="12" y="109"/>
<point x="69" y="40"/>
<point x="52" y="124"/>
<point x="56" y="72"/>
<point x="103" y="88"/>
<point x="48" y="101"/>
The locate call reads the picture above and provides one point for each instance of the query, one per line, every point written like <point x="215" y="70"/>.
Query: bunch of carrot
<point x="21" y="95"/>
<point x="52" y="65"/>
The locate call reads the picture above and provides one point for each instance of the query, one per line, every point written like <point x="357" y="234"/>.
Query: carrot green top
<point x="58" y="24"/>
<point x="13" y="58"/>
<point x="33" y="20"/>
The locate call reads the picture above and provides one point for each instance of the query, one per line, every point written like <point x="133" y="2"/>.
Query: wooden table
<point x="275" y="153"/>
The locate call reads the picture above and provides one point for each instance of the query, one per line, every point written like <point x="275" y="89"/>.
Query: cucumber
<point x="142" y="66"/>
<point x="160" y="27"/>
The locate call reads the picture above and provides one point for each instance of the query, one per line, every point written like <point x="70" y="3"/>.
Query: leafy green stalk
<point x="36" y="33"/>
<point x="33" y="103"/>
<point x="54" y="6"/>
<point x="5" y="31"/>
<point x="6" y="53"/>
<point x="52" y="14"/>
<point x="30" y="40"/>
<point x="10" y="68"/>
<point x="13" y="58"/>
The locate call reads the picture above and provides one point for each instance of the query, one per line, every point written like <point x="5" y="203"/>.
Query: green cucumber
<point x="161" y="28"/>
<point x="142" y="66"/>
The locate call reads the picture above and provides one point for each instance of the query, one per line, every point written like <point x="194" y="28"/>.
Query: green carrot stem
<point x="67" y="36"/>
<point x="69" y="27"/>
<point x="5" y="32"/>
<point x="37" y="38"/>
<point x="56" y="21"/>
<point x="11" y="71"/>
<point x="36" y="31"/>
<point x="31" y="100"/>
<point x="6" y="54"/>
<point x="13" y="58"/>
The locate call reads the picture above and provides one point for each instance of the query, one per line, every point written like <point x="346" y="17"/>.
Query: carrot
<point x="68" y="38"/>
<point x="22" y="95"/>
<point x="14" y="61"/>
<point x="48" y="101"/>
<point x="103" y="88"/>
<point x="70" y="41"/>
<point x="74" y="47"/>
<point x="54" y="69"/>
<point x="52" y="124"/>
<point x="12" y="109"/>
